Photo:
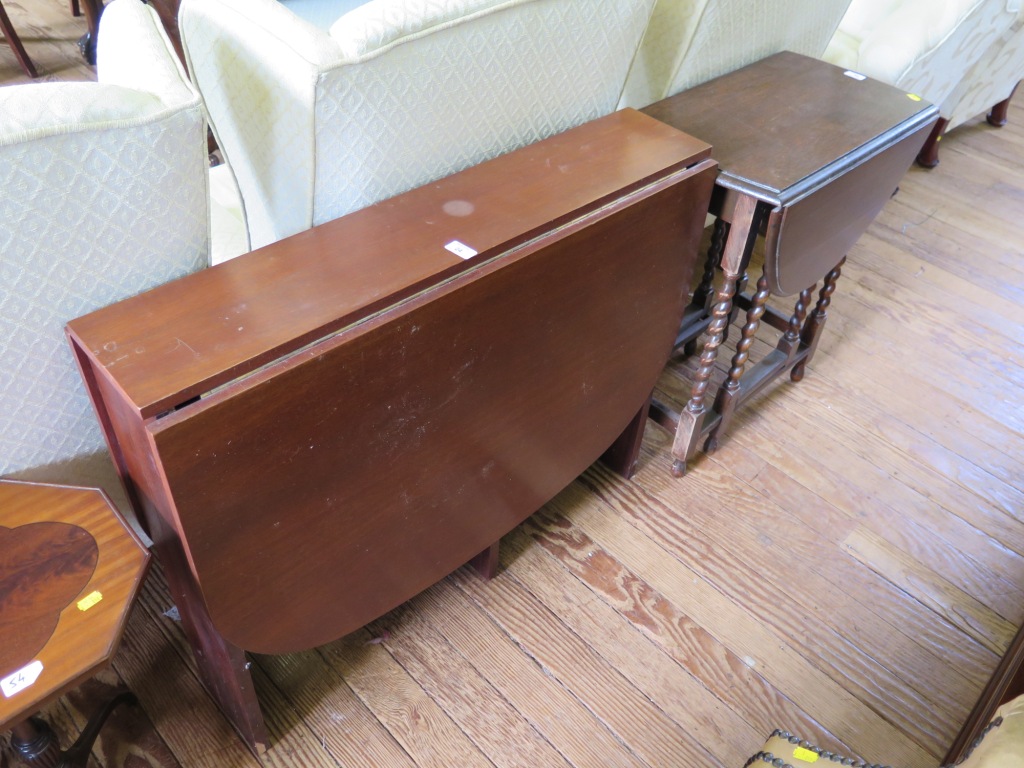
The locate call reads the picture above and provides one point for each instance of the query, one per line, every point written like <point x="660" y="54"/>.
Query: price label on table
<point x="21" y="679"/>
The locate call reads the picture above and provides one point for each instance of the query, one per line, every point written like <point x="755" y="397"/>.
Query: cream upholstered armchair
<point x="924" y="47"/>
<point x="104" y="194"/>
<point x="989" y="85"/>
<point x="691" y="41"/>
<point x="316" y="123"/>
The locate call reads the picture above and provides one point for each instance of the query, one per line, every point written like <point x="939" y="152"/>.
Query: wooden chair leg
<point x="928" y="157"/>
<point x="15" y="42"/>
<point x="1000" y="112"/>
<point x="76" y="9"/>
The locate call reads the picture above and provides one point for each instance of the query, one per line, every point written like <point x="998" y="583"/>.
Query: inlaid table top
<point x="70" y="568"/>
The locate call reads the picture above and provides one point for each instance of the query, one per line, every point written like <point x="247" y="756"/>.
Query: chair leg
<point x="76" y="9"/>
<point x="15" y="42"/>
<point x="928" y="157"/>
<point x="1000" y="111"/>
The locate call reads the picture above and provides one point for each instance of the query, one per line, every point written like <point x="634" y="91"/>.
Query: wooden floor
<point x="848" y="566"/>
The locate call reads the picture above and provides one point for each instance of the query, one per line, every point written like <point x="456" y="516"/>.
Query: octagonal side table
<point x="70" y="568"/>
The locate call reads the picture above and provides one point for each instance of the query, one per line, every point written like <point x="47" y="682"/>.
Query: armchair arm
<point x="924" y="46"/>
<point x="134" y="52"/>
<point x="257" y="66"/>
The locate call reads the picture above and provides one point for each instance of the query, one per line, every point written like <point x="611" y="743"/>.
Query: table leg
<point x="77" y="755"/>
<point x="705" y="289"/>
<point x="816" y="322"/>
<point x="789" y="344"/>
<point x="725" y="402"/>
<point x="623" y="455"/>
<point x="486" y="563"/>
<point x="35" y="742"/>
<point x="223" y="667"/>
<point x="928" y="157"/>
<point x="738" y="246"/>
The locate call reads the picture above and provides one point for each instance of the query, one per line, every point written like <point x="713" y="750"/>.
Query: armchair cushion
<point x="920" y="46"/>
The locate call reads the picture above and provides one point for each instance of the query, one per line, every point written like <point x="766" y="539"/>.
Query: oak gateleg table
<point x="809" y="153"/>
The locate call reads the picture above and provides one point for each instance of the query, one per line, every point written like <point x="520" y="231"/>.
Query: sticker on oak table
<point x="21" y="679"/>
<point x="461" y="250"/>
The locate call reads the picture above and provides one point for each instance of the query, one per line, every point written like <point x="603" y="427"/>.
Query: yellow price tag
<point x="806" y="755"/>
<point x="89" y="601"/>
<point x="913" y="97"/>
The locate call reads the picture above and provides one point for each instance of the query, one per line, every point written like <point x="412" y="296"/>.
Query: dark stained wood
<point x="444" y="401"/>
<point x="12" y="39"/>
<point x="809" y="156"/>
<point x="928" y="157"/>
<point x="999" y="113"/>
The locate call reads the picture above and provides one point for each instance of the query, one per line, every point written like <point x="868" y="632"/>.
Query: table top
<point x="189" y="336"/>
<point x="779" y="127"/>
<point x="69" y="570"/>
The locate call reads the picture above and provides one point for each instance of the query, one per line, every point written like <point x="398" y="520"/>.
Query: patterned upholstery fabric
<point x="920" y="46"/>
<point x="993" y="78"/>
<point x="692" y="41"/>
<point x="104" y="196"/>
<point x="400" y="92"/>
<point x="1002" y="742"/>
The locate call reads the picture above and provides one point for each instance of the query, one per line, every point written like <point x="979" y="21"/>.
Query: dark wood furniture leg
<point x="486" y="563"/>
<point x="87" y="43"/>
<point x="928" y="157"/>
<point x="35" y="742"/>
<point x="738" y="246"/>
<point x="624" y="454"/>
<point x="816" y="322"/>
<point x="700" y="306"/>
<point x="1000" y="112"/>
<point x="15" y="42"/>
<point x="76" y="9"/>
<point x="728" y="395"/>
<point x="789" y="344"/>
<point x="223" y="667"/>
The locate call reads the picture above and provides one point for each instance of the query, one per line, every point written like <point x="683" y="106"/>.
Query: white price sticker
<point x="855" y="75"/>
<point x="21" y="679"/>
<point x="461" y="250"/>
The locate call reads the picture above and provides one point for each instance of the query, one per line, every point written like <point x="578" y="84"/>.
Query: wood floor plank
<point x="777" y="659"/>
<point x="761" y="558"/>
<point x="938" y="534"/>
<point x="506" y="737"/>
<point x="928" y="586"/>
<point x="641" y="609"/>
<point x="636" y="715"/>
<point x="334" y="714"/>
<point x="564" y="721"/>
<point x="415" y="720"/>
